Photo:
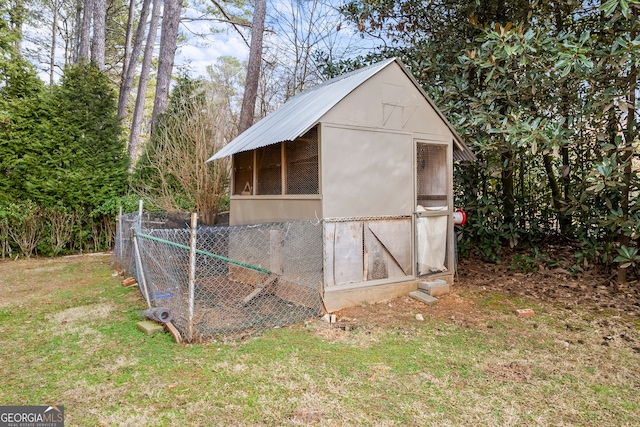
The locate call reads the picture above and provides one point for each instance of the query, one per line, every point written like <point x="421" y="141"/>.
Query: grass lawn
<point x="69" y="338"/>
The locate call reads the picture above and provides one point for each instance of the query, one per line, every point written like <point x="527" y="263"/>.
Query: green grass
<point x="73" y="341"/>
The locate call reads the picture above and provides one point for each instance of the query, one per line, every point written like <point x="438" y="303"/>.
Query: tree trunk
<point x="522" y="196"/>
<point x="85" y="33"/>
<point x="553" y="184"/>
<point x="54" y="33"/>
<point x="168" y="45"/>
<point x="99" y="33"/>
<point x="629" y="137"/>
<point x="136" y="123"/>
<point x="77" y="33"/>
<point x="16" y="20"/>
<point x="508" y="201"/>
<point x="253" y="69"/>
<point x="128" y="37"/>
<point x="560" y="13"/>
<point x="129" y="70"/>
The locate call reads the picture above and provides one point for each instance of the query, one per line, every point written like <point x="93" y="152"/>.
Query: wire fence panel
<point x="166" y="270"/>
<point x="302" y="164"/>
<point x="123" y="256"/>
<point x="247" y="278"/>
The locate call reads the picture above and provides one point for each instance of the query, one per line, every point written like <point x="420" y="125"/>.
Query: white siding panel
<point x="366" y="173"/>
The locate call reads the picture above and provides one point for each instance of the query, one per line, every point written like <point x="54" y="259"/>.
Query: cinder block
<point x="435" y="281"/>
<point x="435" y="288"/>
<point x="423" y="297"/>
<point x="149" y="327"/>
<point x="525" y="312"/>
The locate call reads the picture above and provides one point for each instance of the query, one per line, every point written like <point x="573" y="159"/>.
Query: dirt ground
<point x="590" y="290"/>
<point x="28" y="280"/>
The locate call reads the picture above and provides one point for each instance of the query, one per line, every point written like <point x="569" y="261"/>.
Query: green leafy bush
<point x="63" y="161"/>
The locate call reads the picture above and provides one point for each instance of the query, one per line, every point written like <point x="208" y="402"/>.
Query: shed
<point x="370" y="155"/>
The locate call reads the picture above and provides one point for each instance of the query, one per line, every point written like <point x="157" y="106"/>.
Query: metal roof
<point x="299" y="114"/>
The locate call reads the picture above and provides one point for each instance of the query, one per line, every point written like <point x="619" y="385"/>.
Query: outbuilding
<point x="369" y="155"/>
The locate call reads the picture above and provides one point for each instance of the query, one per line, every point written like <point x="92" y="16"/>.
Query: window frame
<point x="284" y="169"/>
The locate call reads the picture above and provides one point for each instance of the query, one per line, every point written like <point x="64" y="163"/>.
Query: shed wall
<point x="389" y="100"/>
<point x="366" y="173"/>
<point x="256" y="210"/>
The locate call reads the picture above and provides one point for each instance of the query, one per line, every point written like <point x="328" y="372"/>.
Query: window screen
<point x="432" y="175"/>
<point x="269" y="168"/>
<point x="243" y="173"/>
<point x="302" y="164"/>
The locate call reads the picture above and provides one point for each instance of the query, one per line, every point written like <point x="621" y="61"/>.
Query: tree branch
<point x="231" y="21"/>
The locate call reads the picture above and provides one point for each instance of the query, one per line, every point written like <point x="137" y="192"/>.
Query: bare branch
<point x="233" y="23"/>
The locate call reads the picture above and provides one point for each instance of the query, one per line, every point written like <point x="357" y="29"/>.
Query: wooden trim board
<point x="339" y="299"/>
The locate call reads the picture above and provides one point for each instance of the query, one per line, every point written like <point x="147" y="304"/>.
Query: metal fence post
<point x="140" y="269"/>
<point x="119" y="240"/>
<point x="140" y="266"/>
<point x="140" y="206"/>
<point x="192" y="272"/>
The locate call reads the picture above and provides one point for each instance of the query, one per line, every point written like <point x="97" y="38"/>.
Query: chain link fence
<point x="223" y="280"/>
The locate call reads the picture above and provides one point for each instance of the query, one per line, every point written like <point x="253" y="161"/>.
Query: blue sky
<point x="198" y="52"/>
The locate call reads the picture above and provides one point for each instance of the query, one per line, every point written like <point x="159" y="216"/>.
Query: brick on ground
<point x="129" y="281"/>
<point x="524" y="312"/>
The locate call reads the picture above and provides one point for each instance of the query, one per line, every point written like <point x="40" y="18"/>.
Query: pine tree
<point x="63" y="147"/>
<point x="21" y="107"/>
<point x="88" y="161"/>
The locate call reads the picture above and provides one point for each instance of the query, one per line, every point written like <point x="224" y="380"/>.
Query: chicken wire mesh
<point x="302" y="164"/>
<point x="246" y="278"/>
<point x="431" y="174"/>
<point x="290" y="167"/>
<point x="269" y="170"/>
<point x="123" y="250"/>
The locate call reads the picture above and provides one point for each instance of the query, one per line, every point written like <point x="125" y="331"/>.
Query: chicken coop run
<point x="342" y="196"/>
<point x="222" y="280"/>
<point x="367" y="156"/>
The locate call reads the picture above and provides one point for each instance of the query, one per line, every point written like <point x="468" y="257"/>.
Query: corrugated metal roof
<point x="302" y="112"/>
<point x="464" y="155"/>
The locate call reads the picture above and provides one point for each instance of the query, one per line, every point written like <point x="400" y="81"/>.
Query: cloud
<point x="196" y="58"/>
<point x="206" y="42"/>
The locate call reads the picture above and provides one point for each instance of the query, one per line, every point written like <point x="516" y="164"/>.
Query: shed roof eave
<point x="294" y="118"/>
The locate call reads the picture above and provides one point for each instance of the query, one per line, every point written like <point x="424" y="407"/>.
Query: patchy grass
<point x="69" y="337"/>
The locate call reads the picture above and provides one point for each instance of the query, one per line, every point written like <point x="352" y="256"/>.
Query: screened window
<point x="243" y="173"/>
<point x="432" y="175"/>
<point x="302" y="164"/>
<point x="269" y="170"/>
<point x="295" y="162"/>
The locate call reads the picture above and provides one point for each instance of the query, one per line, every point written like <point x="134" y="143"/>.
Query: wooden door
<point x="367" y="250"/>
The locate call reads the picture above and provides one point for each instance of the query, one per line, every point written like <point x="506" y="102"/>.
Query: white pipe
<point x="192" y="272"/>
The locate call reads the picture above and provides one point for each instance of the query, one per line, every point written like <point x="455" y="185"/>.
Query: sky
<point x="206" y="40"/>
<point x="199" y="52"/>
<point x="194" y="54"/>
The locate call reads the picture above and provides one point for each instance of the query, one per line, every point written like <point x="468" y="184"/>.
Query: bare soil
<point x="590" y="290"/>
